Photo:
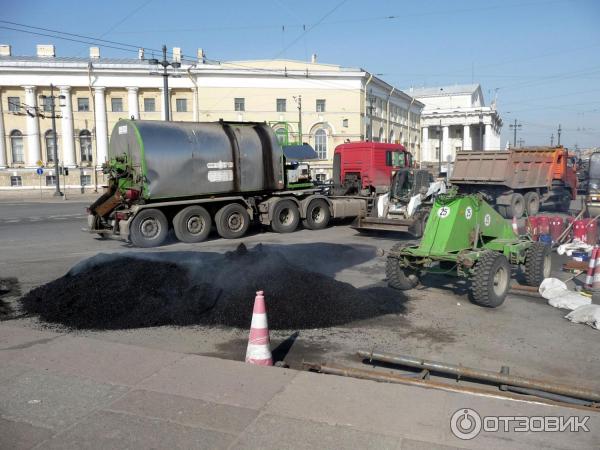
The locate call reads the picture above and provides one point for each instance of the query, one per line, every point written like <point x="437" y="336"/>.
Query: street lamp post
<point x="440" y="149"/>
<point x="165" y="74"/>
<point x="52" y="98"/>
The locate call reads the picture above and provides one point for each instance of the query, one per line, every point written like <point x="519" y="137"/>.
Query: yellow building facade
<point x="321" y="104"/>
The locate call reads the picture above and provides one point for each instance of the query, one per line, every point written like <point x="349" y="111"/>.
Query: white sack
<point x="588" y="314"/>
<point x="560" y="296"/>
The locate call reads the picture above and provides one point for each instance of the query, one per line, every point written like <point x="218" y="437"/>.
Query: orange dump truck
<point x="518" y="181"/>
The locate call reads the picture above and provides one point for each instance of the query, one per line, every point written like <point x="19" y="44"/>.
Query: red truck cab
<point x="362" y="166"/>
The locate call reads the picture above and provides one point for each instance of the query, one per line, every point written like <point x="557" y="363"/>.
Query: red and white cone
<point x="515" y="226"/>
<point x="596" y="279"/>
<point x="259" y="344"/>
<point x="589" y="279"/>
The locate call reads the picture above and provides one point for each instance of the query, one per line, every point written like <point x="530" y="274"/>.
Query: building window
<point x="14" y="104"/>
<point x="16" y="145"/>
<point x="16" y="181"/>
<point x="345" y="123"/>
<point x="85" y="144"/>
<point x="239" y="104"/>
<point x="85" y="180"/>
<point x="50" y="142"/>
<point x="437" y="153"/>
<point x="380" y="134"/>
<point x="181" y="105"/>
<point x="149" y="105"/>
<point x="50" y="180"/>
<point x="321" y="143"/>
<point x="320" y="105"/>
<point x="282" y="136"/>
<point x="47" y="103"/>
<point x="281" y="105"/>
<point x="83" y="104"/>
<point x="116" y="104"/>
<point x="458" y="149"/>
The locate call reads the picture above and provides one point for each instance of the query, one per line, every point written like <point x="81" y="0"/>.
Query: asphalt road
<point x="41" y="241"/>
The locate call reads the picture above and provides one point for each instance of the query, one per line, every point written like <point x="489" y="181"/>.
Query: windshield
<point x="594" y="170"/>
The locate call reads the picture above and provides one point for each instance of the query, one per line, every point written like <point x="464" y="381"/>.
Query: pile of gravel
<point x="212" y="289"/>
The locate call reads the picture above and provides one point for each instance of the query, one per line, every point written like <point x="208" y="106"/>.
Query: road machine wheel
<point x="398" y="277"/>
<point x="538" y="264"/>
<point x="491" y="280"/>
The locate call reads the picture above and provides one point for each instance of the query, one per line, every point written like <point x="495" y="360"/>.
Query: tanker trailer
<point x="188" y="176"/>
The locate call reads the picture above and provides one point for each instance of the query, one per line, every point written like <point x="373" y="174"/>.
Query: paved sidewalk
<point x="47" y="196"/>
<point x="64" y="391"/>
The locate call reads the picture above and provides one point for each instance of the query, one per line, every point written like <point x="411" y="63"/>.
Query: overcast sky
<point x="540" y="57"/>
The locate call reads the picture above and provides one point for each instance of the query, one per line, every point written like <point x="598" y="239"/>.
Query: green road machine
<point x="464" y="236"/>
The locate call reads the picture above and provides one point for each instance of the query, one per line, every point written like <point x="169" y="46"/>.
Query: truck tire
<point x="232" y="221"/>
<point x="538" y="264"/>
<point x="398" y="277"/>
<point x="532" y="203"/>
<point x="285" y="216"/>
<point x="149" y="228"/>
<point x="517" y="206"/>
<point x="491" y="279"/>
<point x="317" y="215"/>
<point x="192" y="224"/>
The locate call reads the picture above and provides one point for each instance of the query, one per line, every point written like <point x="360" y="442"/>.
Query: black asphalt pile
<point x="9" y="287"/>
<point x="127" y="292"/>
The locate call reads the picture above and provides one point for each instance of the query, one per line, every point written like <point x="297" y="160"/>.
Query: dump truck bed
<point x="516" y="169"/>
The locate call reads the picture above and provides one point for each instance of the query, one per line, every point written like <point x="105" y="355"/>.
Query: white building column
<point x="134" y="105"/>
<point x="66" y="126"/>
<point x="33" y="153"/>
<point x="101" y="126"/>
<point x="162" y="104"/>
<point x="425" y="150"/>
<point x="467" y="141"/>
<point x="3" y="157"/>
<point x="445" y="144"/>
<point x="487" y="137"/>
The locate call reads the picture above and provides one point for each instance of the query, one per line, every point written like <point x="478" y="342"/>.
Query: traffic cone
<point x="589" y="279"/>
<point x="596" y="279"/>
<point x="259" y="350"/>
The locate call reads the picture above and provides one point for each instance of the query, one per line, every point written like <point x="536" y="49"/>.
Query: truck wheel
<point x="317" y="215"/>
<point x="532" y="203"/>
<point x="517" y="206"/>
<point x="538" y="264"/>
<point x="285" y="217"/>
<point x="232" y="221"/>
<point x="192" y="224"/>
<point x="398" y="277"/>
<point x="491" y="280"/>
<point x="149" y="228"/>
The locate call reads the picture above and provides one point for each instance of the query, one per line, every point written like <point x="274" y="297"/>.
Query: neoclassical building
<point x="322" y="104"/>
<point x="455" y="118"/>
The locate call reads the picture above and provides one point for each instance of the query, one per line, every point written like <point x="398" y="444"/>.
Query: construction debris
<point x="121" y="292"/>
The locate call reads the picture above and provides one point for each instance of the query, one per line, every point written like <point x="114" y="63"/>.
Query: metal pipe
<point x="373" y="375"/>
<point x="479" y="374"/>
<point x="549" y="396"/>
